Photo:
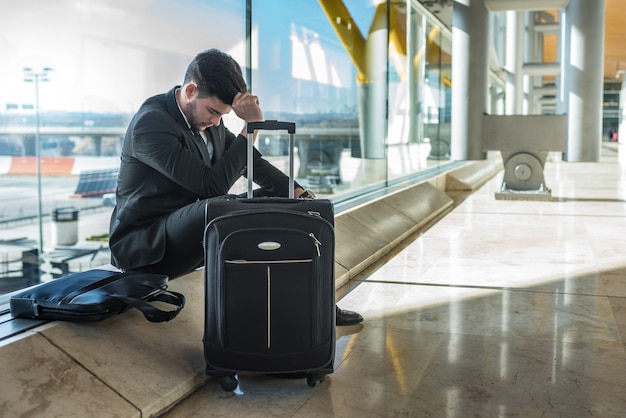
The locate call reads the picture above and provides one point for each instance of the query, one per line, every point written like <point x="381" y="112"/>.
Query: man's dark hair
<point x="217" y="74"/>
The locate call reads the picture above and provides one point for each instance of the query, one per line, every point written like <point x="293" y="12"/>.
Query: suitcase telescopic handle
<point x="271" y="125"/>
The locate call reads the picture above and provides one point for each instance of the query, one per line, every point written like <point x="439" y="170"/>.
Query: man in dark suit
<point x="176" y="154"/>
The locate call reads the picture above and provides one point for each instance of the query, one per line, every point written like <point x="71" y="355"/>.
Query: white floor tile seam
<point x="523" y="212"/>
<point x="459" y="293"/>
<point x="485" y="287"/>
<point x="585" y="277"/>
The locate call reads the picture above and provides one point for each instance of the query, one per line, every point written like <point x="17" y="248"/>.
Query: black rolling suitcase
<point x="269" y="283"/>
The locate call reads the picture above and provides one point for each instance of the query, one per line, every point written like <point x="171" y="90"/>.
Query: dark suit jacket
<point x="164" y="168"/>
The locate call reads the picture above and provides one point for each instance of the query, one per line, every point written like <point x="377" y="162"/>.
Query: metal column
<point x="583" y="77"/>
<point x="470" y="72"/>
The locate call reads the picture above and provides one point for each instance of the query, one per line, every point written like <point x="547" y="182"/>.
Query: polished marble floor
<point x="503" y="308"/>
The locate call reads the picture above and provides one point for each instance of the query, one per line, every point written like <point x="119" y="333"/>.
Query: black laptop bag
<point x="97" y="294"/>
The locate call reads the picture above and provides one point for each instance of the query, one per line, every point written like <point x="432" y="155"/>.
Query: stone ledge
<point x="124" y="366"/>
<point x="369" y="232"/>
<point x="474" y="175"/>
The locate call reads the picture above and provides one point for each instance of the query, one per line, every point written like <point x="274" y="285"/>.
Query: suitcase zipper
<point x="316" y="285"/>
<point x="269" y="308"/>
<point x="236" y="213"/>
<point x="304" y="260"/>
<point x="317" y="244"/>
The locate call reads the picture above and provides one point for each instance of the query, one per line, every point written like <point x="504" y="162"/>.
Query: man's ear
<point x="191" y="90"/>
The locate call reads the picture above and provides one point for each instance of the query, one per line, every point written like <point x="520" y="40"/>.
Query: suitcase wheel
<point x="313" y="379"/>
<point x="228" y="383"/>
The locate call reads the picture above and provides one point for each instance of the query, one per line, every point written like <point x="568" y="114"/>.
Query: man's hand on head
<point x="246" y="107"/>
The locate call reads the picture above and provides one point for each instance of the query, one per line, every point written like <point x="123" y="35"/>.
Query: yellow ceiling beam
<point x="356" y="44"/>
<point x="348" y="32"/>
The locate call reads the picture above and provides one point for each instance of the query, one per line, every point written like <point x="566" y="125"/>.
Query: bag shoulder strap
<point x="114" y="275"/>
<point x="151" y="312"/>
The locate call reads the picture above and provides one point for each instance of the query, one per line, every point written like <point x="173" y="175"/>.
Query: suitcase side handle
<point x="272" y="125"/>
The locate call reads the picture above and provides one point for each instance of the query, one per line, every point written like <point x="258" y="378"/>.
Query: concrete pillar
<point x="621" y="129"/>
<point x="516" y="32"/>
<point x="373" y="93"/>
<point x="470" y="70"/>
<point x="96" y="142"/>
<point x="416" y="24"/>
<point x="29" y="145"/>
<point x="583" y="77"/>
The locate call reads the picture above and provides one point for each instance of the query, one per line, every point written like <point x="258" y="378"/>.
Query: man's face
<point x="205" y="112"/>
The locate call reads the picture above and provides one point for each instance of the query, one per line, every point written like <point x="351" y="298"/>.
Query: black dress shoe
<point x="347" y="317"/>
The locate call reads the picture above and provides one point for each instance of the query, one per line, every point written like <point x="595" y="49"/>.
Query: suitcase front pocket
<point x="269" y="298"/>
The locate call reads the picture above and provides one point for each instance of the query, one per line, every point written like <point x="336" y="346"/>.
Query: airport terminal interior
<point x="473" y="156"/>
<point x="502" y="308"/>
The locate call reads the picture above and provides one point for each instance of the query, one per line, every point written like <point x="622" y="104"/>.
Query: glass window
<point x="419" y="92"/>
<point x="304" y="71"/>
<point x="367" y="108"/>
<point x="90" y="66"/>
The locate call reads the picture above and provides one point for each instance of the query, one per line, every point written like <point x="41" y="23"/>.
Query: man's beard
<point x="191" y="113"/>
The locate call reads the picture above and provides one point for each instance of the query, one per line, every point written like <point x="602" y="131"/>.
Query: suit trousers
<point x="184" y="246"/>
<point x="184" y="250"/>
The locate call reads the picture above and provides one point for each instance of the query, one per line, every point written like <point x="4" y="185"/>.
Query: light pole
<point x="35" y="76"/>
